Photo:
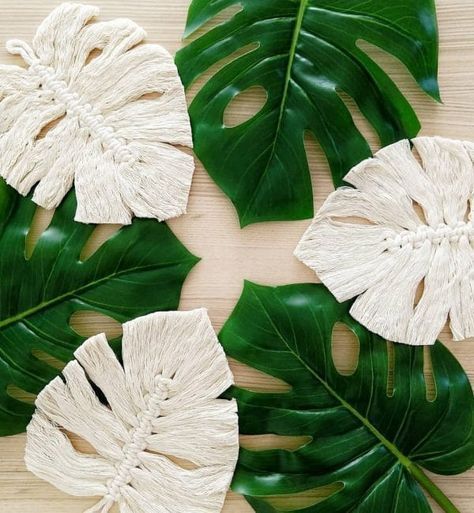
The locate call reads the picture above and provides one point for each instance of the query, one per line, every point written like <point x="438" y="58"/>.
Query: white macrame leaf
<point x="115" y="111"/>
<point x="406" y="226"/>
<point x="162" y="403"/>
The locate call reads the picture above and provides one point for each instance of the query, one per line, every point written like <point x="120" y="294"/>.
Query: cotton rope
<point x="98" y="109"/>
<point x="160" y="404"/>
<point x="405" y="229"/>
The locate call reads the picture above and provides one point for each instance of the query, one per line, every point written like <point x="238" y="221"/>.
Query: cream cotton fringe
<point x="116" y="144"/>
<point x="161" y="404"/>
<point x="370" y="241"/>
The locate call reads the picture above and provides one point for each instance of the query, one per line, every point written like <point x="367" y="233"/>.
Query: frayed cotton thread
<point x="371" y="242"/>
<point x="161" y="404"/>
<point x="118" y="148"/>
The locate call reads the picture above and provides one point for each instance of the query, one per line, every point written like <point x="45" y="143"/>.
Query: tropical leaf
<point x="370" y="440"/>
<point x="138" y="270"/>
<point x="304" y="53"/>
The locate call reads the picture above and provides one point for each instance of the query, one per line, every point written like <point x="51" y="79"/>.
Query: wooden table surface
<point x="262" y="253"/>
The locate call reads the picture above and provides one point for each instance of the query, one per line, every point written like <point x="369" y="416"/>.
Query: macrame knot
<point x="19" y="47"/>
<point x="416" y="239"/>
<point x="400" y="241"/>
<point x="138" y="437"/>
<point x="89" y="118"/>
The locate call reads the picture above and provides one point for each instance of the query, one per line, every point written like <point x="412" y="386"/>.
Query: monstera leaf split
<point x="139" y="270"/>
<point x="370" y="439"/>
<point x="304" y="54"/>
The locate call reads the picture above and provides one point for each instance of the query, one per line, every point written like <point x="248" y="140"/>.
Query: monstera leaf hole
<point x="318" y="166"/>
<point x="101" y="234"/>
<point x="19" y="394"/>
<point x="345" y="349"/>
<point x="345" y="356"/>
<point x="41" y="220"/>
<point x="245" y="106"/>
<point x="360" y="121"/>
<point x="272" y="442"/>
<point x="87" y="323"/>
<point x="255" y="380"/>
<point x="400" y="73"/>
<point x="46" y="358"/>
<point x="430" y="382"/>
<point x="390" y="368"/>
<point x="196" y="29"/>
<point x="299" y="501"/>
<point x="198" y="83"/>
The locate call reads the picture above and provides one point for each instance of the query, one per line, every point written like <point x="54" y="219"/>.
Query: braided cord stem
<point x="88" y="116"/>
<point x="435" y="235"/>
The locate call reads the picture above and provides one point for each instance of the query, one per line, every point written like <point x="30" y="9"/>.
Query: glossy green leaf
<point x="306" y="54"/>
<point x="371" y="440"/>
<point x="139" y="270"/>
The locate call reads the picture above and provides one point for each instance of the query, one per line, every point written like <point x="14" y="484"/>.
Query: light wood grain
<point x="262" y="253"/>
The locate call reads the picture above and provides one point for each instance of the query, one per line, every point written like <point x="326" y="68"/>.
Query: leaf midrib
<point x="289" y="68"/>
<point x="404" y="460"/>
<point x="303" y="6"/>
<point x="70" y="294"/>
<point x="291" y="58"/>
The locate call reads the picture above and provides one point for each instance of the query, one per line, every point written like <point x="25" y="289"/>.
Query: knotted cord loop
<point x="19" y="47"/>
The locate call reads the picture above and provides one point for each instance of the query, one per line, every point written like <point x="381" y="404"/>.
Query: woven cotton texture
<point x="402" y="241"/>
<point x="97" y="108"/>
<point x="159" y="405"/>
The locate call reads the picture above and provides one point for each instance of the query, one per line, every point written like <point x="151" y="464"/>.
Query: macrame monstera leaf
<point x="139" y="270"/>
<point x="304" y="54"/>
<point x="370" y="432"/>
<point x="114" y="120"/>
<point x="405" y="228"/>
<point x="161" y="402"/>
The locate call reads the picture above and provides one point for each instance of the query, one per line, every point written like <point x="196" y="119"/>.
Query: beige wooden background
<point x="262" y="253"/>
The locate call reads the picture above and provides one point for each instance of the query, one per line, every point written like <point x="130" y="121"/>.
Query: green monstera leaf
<point x="304" y="53"/>
<point x="370" y="440"/>
<point x="139" y="270"/>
